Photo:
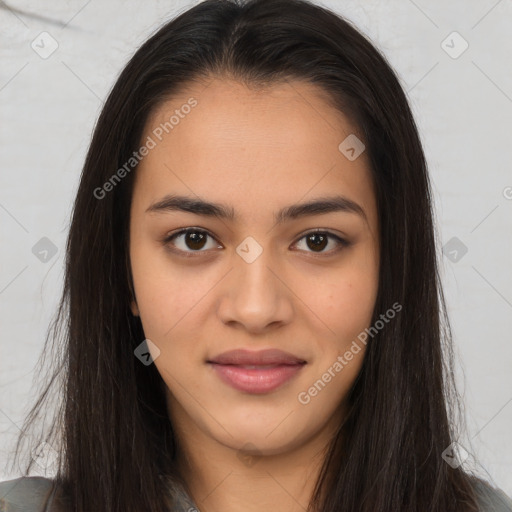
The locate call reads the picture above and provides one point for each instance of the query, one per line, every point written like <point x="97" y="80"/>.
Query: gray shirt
<point x="34" y="494"/>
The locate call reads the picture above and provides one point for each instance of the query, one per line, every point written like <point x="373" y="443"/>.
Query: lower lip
<point x="256" y="380"/>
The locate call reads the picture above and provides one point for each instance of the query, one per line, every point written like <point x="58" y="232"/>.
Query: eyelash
<point x="192" y="254"/>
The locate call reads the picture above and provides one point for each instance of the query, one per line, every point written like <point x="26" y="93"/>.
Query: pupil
<point x="319" y="244"/>
<point x="195" y="240"/>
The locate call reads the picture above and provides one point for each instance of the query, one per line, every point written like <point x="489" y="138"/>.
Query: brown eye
<point x="190" y="240"/>
<point x="195" y="240"/>
<point x="317" y="241"/>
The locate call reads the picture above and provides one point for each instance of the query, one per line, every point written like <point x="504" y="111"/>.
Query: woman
<point x="252" y="308"/>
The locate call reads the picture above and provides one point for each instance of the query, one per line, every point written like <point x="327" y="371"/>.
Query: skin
<point x="255" y="151"/>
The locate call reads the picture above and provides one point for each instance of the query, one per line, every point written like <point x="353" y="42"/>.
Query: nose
<point x="256" y="295"/>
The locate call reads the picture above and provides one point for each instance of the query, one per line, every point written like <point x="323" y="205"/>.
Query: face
<point x="254" y="271"/>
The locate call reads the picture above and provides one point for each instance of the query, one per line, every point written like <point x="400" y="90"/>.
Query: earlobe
<point x="134" y="308"/>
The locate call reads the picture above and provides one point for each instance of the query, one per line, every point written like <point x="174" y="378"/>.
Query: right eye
<point x="189" y="241"/>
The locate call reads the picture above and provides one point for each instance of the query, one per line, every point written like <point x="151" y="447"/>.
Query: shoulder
<point x="40" y="494"/>
<point x="30" y="494"/>
<point x="491" y="499"/>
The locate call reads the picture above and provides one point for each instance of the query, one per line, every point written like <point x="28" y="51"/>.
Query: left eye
<point x="319" y="240"/>
<point x="193" y="240"/>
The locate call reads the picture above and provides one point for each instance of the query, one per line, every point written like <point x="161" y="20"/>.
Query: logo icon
<point x="454" y="249"/>
<point x="44" y="456"/>
<point x="249" y="250"/>
<point x="454" y="45"/>
<point x="352" y="147"/>
<point x="44" y="250"/>
<point x="146" y="352"/>
<point x="455" y="455"/>
<point x="249" y="454"/>
<point x="44" y="45"/>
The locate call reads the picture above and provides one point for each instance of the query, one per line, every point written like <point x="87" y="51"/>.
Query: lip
<point x="256" y="372"/>
<point x="260" y="357"/>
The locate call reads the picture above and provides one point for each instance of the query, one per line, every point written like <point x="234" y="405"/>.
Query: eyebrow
<point x="319" y="206"/>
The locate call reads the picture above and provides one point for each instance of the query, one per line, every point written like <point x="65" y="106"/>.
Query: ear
<point x="134" y="308"/>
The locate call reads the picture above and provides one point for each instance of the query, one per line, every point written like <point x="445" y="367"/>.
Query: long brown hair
<point x="111" y="427"/>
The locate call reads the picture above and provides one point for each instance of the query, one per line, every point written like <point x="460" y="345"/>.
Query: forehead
<point x="287" y="115"/>
<point x="275" y="145"/>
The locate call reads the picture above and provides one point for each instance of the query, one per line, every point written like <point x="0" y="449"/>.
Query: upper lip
<point x="261" y="357"/>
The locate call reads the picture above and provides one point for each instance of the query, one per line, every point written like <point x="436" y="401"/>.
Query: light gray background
<point x="463" y="107"/>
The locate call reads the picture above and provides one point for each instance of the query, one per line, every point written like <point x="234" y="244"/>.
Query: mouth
<point x="269" y="357"/>
<point x="256" y="372"/>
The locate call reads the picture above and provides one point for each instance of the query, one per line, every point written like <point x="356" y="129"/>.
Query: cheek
<point x="352" y="305"/>
<point x="165" y="294"/>
<point x="354" y="296"/>
<point x="344" y="301"/>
